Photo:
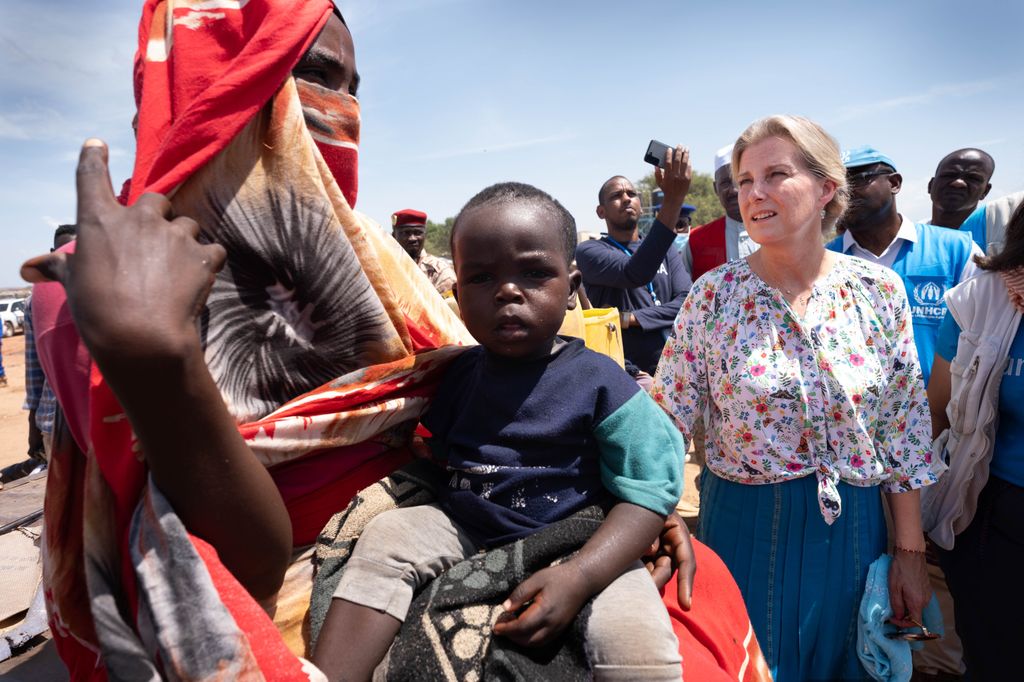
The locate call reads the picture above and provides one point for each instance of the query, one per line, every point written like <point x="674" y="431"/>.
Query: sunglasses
<point x="861" y="179"/>
<point x="918" y="633"/>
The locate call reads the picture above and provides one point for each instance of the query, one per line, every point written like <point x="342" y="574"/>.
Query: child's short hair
<point x="508" y="192"/>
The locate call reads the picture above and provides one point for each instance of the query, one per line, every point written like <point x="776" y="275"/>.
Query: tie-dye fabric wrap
<point x="324" y="337"/>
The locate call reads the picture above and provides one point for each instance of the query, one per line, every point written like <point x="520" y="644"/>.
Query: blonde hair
<point x="818" y="149"/>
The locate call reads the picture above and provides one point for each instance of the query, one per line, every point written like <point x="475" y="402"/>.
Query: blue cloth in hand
<point x="887" y="660"/>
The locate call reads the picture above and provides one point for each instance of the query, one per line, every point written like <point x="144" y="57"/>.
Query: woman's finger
<point x="52" y="267"/>
<point x="158" y="203"/>
<point x="217" y="256"/>
<point x="92" y="180"/>
<point x="899" y="610"/>
<point x="186" y="225"/>
<point x="661" y="571"/>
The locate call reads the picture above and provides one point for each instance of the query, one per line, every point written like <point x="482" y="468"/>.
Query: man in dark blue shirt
<point x="646" y="280"/>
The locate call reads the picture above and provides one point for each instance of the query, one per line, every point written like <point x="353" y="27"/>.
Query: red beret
<point x="408" y="216"/>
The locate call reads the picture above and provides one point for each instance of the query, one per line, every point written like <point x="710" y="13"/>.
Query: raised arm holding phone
<point x="645" y="279"/>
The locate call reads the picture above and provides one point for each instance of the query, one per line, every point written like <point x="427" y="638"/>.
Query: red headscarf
<point x="190" y="108"/>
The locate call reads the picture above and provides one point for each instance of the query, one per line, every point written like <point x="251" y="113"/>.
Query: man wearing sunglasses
<point x="930" y="259"/>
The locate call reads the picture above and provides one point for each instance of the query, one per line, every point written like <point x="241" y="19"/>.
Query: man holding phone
<point x="646" y="280"/>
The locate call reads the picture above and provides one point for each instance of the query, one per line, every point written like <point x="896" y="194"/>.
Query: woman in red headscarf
<point x="203" y="471"/>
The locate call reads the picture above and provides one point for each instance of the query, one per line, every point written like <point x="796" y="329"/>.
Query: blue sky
<point x="458" y="94"/>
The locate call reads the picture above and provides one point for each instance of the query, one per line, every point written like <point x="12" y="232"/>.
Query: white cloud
<point x="31" y="121"/>
<point x="65" y="68"/>
<point x="12" y="129"/>
<point x="935" y="93"/>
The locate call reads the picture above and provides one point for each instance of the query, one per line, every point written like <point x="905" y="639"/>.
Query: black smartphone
<point x="656" y="153"/>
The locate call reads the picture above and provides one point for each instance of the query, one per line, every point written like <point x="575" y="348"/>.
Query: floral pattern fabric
<point x="837" y="393"/>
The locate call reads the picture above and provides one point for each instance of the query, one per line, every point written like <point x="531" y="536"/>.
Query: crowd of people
<point x="268" y="370"/>
<point x="801" y="369"/>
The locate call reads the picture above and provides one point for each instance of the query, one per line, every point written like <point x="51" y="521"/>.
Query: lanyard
<point x="650" y="285"/>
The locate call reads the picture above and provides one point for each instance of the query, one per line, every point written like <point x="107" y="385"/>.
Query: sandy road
<point x="13" y="419"/>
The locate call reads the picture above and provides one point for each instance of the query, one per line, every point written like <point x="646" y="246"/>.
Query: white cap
<point x="723" y="157"/>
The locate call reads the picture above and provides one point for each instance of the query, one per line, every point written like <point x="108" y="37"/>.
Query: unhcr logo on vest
<point x="927" y="300"/>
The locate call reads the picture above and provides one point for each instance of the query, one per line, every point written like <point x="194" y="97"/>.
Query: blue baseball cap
<point x="689" y="208"/>
<point x="865" y="155"/>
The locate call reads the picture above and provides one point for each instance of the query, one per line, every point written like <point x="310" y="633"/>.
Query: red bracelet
<point x="910" y="551"/>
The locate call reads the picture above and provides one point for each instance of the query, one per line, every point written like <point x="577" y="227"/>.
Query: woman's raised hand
<point x="138" y="279"/>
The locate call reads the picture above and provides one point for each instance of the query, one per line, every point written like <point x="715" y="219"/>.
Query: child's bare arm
<point x="556" y="594"/>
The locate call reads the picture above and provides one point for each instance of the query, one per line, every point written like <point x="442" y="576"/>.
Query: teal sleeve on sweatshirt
<point x="642" y="455"/>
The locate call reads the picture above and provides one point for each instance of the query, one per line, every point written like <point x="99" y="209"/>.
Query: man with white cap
<point x="931" y="260"/>
<point x="725" y="238"/>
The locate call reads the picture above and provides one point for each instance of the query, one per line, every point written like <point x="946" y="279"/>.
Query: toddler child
<point x="532" y="428"/>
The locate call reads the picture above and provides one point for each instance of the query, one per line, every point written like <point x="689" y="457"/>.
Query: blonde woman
<point x="802" y="363"/>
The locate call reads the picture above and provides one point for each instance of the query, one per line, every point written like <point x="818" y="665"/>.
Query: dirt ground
<point x="13" y="419"/>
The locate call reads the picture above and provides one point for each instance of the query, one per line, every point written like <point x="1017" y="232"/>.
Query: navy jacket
<point x="614" y="279"/>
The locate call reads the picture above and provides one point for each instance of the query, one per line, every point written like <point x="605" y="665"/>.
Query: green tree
<point x="438" y="238"/>
<point x="701" y="194"/>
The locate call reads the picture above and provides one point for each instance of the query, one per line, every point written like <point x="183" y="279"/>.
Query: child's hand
<point x="555" y="595"/>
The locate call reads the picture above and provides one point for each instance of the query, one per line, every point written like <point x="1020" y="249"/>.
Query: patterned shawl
<point x="324" y="337"/>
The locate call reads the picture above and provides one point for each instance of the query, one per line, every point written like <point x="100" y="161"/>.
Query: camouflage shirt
<point x="439" y="270"/>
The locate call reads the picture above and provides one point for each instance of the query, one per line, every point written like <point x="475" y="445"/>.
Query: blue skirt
<point x="802" y="579"/>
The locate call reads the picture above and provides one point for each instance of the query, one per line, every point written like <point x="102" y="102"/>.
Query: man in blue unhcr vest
<point x="929" y="259"/>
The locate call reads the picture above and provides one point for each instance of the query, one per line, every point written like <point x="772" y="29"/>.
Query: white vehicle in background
<point x="12" y="316"/>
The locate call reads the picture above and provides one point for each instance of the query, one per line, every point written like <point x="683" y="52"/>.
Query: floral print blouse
<point x="837" y="393"/>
